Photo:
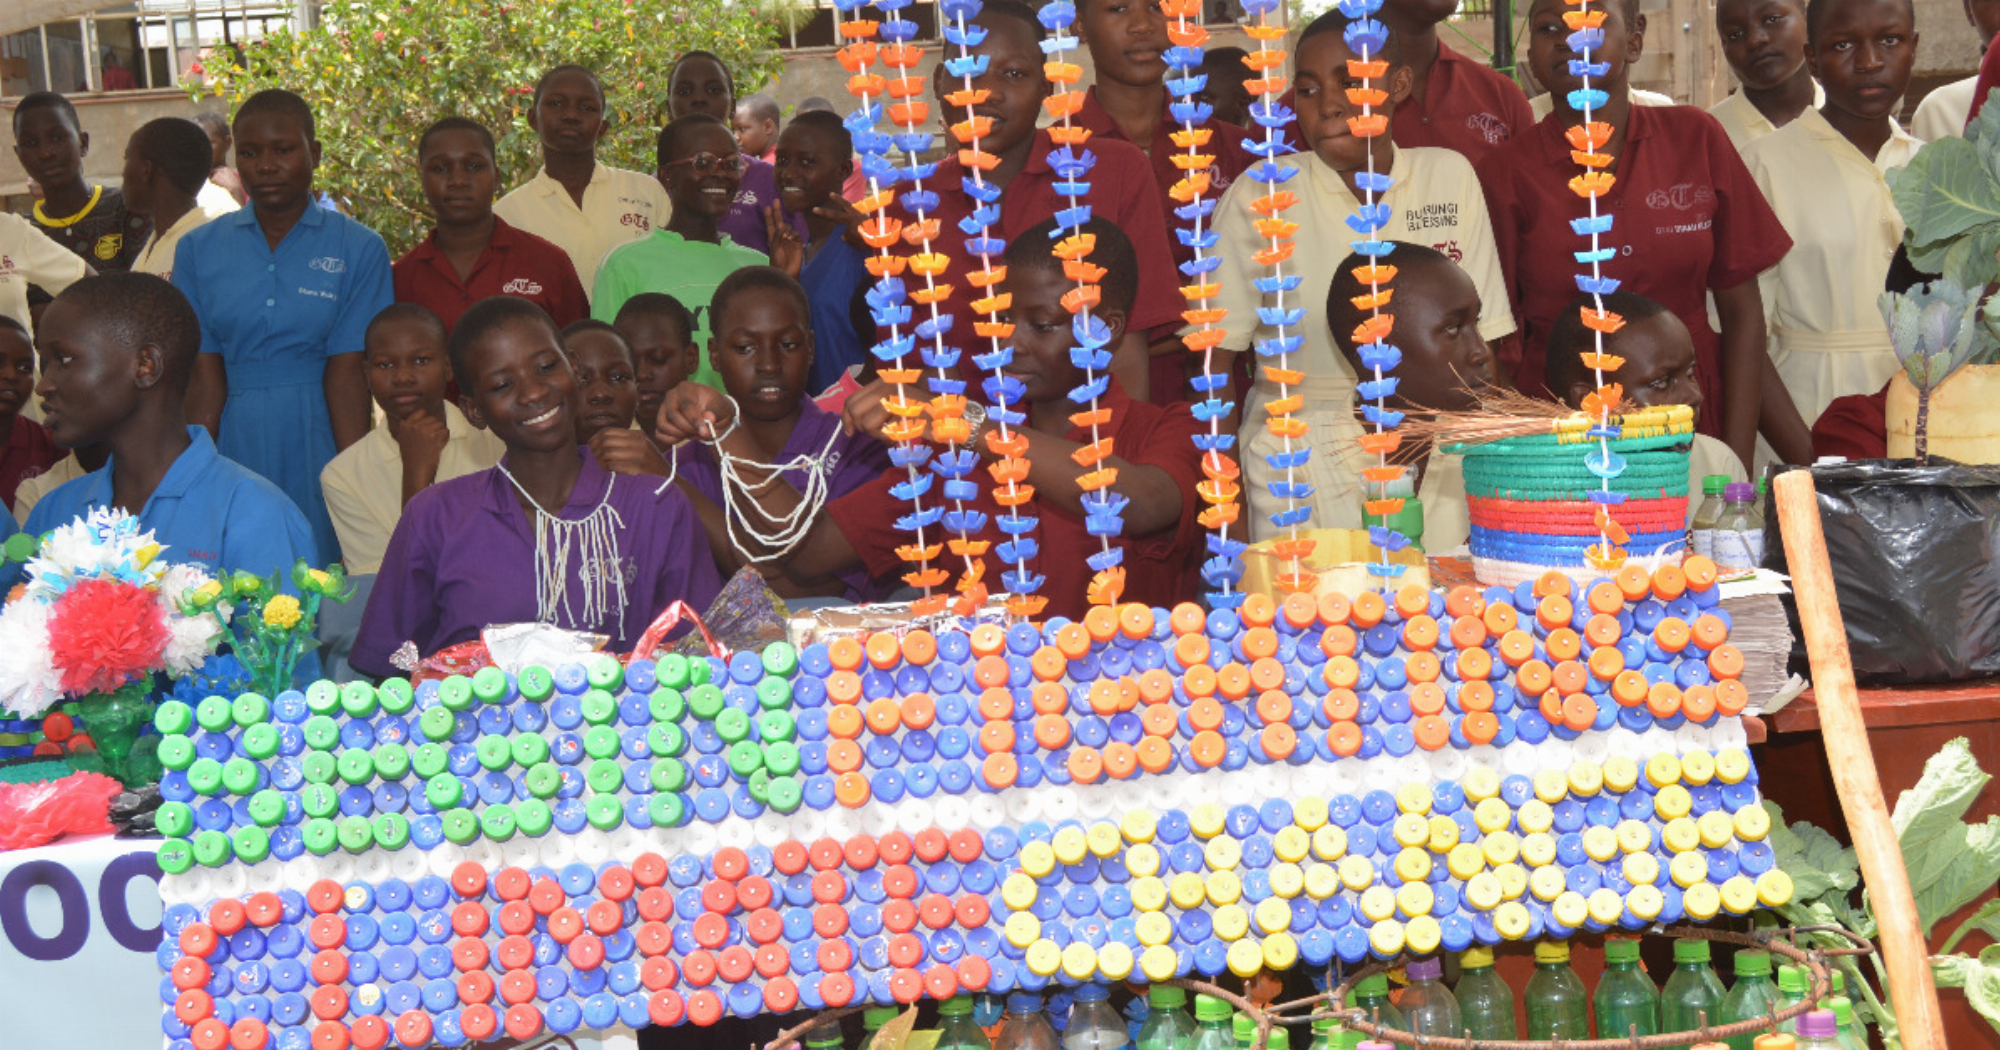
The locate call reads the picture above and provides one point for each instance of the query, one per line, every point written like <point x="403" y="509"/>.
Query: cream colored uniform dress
<point x="364" y="485"/>
<point x="618" y="206"/>
<point x="1436" y="201"/>
<point x="1744" y="123"/>
<point x="1827" y="337"/>
<point x="1941" y="114"/>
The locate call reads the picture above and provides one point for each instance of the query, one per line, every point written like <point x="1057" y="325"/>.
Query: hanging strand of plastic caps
<point x="1003" y="392"/>
<point x="1368" y="39"/>
<point x="887" y="302"/>
<point x="1103" y="507"/>
<point x="1587" y="141"/>
<point x="953" y="460"/>
<point x="1193" y="206"/>
<point x="1276" y="351"/>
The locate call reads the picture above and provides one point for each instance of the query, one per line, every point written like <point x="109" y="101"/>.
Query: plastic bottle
<point x="1692" y="992"/>
<point x="1701" y="531"/>
<point x="1751" y="997"/>
<point x="1626" y="998"/>
<point x="1167" y="1027"/>
<point x="1486" y="1005"/>
<point x="1819" y="1030"/>
<point x="1212" y="1024"/>
<point x="1024" y="1027"/>
<point x="1852" y="1034"/>
<point x="957" y="1030"/>
<point x="825" y="1037"/>
<point x="1776" y="1041"/>
<point x="1558" y="1007"/>
<point x="1793" y="983"/>
<point x="1428" y="1005"/>
<point x="1093" y="1024"/>
<point x="1245" y="1032"/>
<point x="1329" y="1035"/>
<point x="1739" y="534"/>
<point x="873" y="1018"/>
<point x="1372" y="996"/>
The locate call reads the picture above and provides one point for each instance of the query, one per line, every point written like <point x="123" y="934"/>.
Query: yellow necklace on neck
<point x="96" y="194"/>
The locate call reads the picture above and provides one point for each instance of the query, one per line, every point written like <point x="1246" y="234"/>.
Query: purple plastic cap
<point x="1426" y="970"/>
<point x="1819" y="1024"/>
<point x="1739" y="491"/>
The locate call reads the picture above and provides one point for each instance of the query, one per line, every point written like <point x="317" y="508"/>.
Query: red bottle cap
<point x="664" y="1007"/>
<point x="326" y="896"/>
<point x="227" y="916"/>
<point x="475" y="988"/>
<point x="369" y="1033"/>
<point x="512" y="884"/>
<point x="780" y="995"/>
<point x="479" y="1022"/>
<point x="649" y="870"/>
<point x="659" y="972"/>
<point x="248" y="1033"/>
<point x="734" y="963"/>
<point x="731" y="863"/>
<point x="198" y="938"/>
<point x="586" y="952"/>
<point x="704" y="1007"/>
<point x="523" y="1021"/>
<point x="330" y="1035"/>
<point x="470" y="953"/>
<point x="193" y="1005"/>
<point x="469" y="879"/>
<point x="789" y="858"/>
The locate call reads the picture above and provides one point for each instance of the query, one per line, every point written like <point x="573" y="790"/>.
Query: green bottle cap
<point x="530" y="749"/>
<point x="1691" y="951"/>
<point x="705" y="701"/>
<point x="355" y="834"/>
<point x="1372" y="987"/>
<point x="543" y="779"/>
<point x="1323" y="1027"/>
<point x="250" y="709"/>
<point x="1794" y="980"/>
<point x="396" y="695"/>
<point x="781" y="757"/>
<point x="317" y="767"/>
<point x="1843" y="1011"/>
<point x="1243" y="1028"/>
<point x="430" y="760"/>
<point x="701" y="669"/>
<point x="358" y="700"/>
<point x="392" y="830"/>
<point x="1713" y="484"/>
<point x="176" y="751"/>
<point x="356" y="766"/>
<point x="495" y="752"/>
<point x="1838" y="979"/>
<point x="489" y="685"/>
<point x="745" y="758"/>
<point x="535" y="683"/>
<point x="671" y="673"/>
<point x="322" y="697"/>
<point x="321" y="733"/>
<point x="1753" y="964"/>
<point x="496" y="822"/>
<point x="443" y="791"/>
<point x="212" y="849"/>
<point x="957" y="1005"/>
<point x="604" y="812"/>
<point x="599" y="708"/>
<point x="669" y="774"/>
<point x="732" y="725"/>
<point x="392" y="761"/>
<point x="533" y="817"/>
<point x="21" y="547"/>
<point x="774" y="694"/>
<point x="176" y="854"/>
<point x="605" y="672"/>
<point x="319" y="800"/>
<point x="319" y="836"/>
<point x="601" y="742"/>
<point x="173" y="717"/>
<point x="1281" y="1037"/>
<point x="205" y="776"/>
<point x="667" y="811"/>
<point x="437" y="725"/>
<point x="876" y="1016"/>
<point x="773" y="726"/>
<point x="829" y="1034"/>
<point x="782" y="660"/>
<point x="460" y="826"/>
<point x="784" y="794"/>
<point x="666" y="705"/>
<point x="267" y="808"/>
<point x="261" y="741"/>
<point x="1166" y="996"/>
<point x="758" y="783"/>
<point x="214" y="714"/>
<point x="666" y="740"/>
<point x="604" y="776"/>
<point x="174" y="819"/>
<point x="1209" y="1008"/>
<point x="239" y="776"/>
<point x="455" y="692"/>
<point x="1623" y="950"/>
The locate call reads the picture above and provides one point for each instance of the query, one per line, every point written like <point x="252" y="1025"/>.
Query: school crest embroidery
<point x="108" y="246"/>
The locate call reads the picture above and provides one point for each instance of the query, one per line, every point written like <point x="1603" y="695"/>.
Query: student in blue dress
<point x="815" y="157"/>
<point x="285" y="291"/>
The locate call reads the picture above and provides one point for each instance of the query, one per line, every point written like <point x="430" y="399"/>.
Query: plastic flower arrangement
<point x="278" y="628"/>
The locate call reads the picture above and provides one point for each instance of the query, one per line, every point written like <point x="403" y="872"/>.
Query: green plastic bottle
<point x="1752" y="996"/>
<point x="872" y="1020"/>
<point x="825" y="1037"/>
<point x="1211" y="1024"/>
<point x="1486" y="1006"/>
<point x="1794" y="982"/>
<point x="1327" y="1034"/>
<point x="1167" y="1027"/>
<point x="957" y="1030"/>
<point x="1557" y="1005"/>
<point x="1372" y="996"/>
<point x="1626" y="998"/>
<point x="1692" y="992"/>
<point x="1853" y="1034"/>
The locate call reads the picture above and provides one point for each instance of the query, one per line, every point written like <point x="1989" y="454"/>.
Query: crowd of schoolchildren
<point x="590" y="392"/>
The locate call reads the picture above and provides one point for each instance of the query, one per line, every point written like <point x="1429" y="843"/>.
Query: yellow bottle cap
<point x="1680" y="835"/>
<point x="1620" y="773"/>
<point x="1413" y="865"/>
<point x="1378" y="903"/>
<point x="1774" y="888"/>
<point x="1634" y="836"/>
<point x="1414" y="798"/>
<point x="1702" y="901"/>
<point x="1422" y="934"/>
<point x="1586" y="778"/>
<point x="1272" y="915"/>
<point x="1551" y="952"/>
<point x="1752" y="824"/>
<point x="1600" y="843"/>
<point x="1321" y="881"/>
<point x="1386" y="938"/>
<point x="1356" y="873"/>
<point x="1641" y="869"/>
<point x="1411" y="829"/>
<point x="1079" y="961"/>
<point x="1475" y="957"/>
<point x="1154" y="928"/>
<point x="1739" y="894"/>
<point x="1187" y="891"/>
<point x="1281" y="951"/>
<point x="1246" y="958"/>
<point x="1718" y="829"/>
<point x="1732" y="765"/>
<point x="1645" y="902"/>
<point x="1329" y="842"/>
<point x="1309" y="812"/>
<point x="1547" y="883"/>
<point x="1044" y="958"/>
<point x="1606" y="905"/>
<point x="1513" y="880"/>
<point x="1069" y="845"/>
<point x="1103" y="839"/>
<point x="1673" y="802"/>
<point x="1779" y="1041"/>
<point x="1570" y="909"/>
<point x="1019" y="892"/>
<point x="1464" y="861"/>
<point x="1482" y="891"/>
<point x="1414" y="899"/>
<point x="1697" y="767"/>
<point x="1511" y="920"/>
<point x="1536" y="815"/>
<point x="1205" y="820"/>
<point x="1139" y="825"/>
<point x="1142" y="860"/>
<point x="1223" y="887"/>
<point x="1480" y="783"/>
<point x="1444" y="834"/>
<point x="1038" y="859"/>
<point x="1539" y="849"/>
<point x="1022" y="929"/>
<point x="1159" y="963"/>
<point x="1493" y="815"/>
<point x="1500" y="847"/>
<point x="1288" y="880"/>
<point x="1551" y="786"/>
<point x="1222" y="853"/>
<point x="1231" y="922"/>
<point x="1663" y="769"/>
<point x="1149" y="893"/>
<point x="1688" y="869"/>
<point x="1114" y="961"/>
<point x="1291" y="844"/>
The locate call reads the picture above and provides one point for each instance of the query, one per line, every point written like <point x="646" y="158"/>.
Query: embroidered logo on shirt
<point x="1491" y="128"/>
<point x="106" y="248"/>
<point x="1681" y="196"/>
<point x="6" y="265"/>
<point x="521" y="286"/>
<point x="1434" y="216"/>
<point x="328" y="264"/>
<point x="1450" y="250"/>
<point x="633" y="218"/>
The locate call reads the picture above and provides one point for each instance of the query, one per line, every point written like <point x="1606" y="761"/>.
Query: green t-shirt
<point x="665" y="261"/>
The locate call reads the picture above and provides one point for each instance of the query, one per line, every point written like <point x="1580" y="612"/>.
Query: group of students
<point x="607" y="390"/>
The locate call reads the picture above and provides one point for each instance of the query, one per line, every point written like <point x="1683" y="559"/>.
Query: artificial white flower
<point x="191" y="639"/>
<point x="105" y="544"/>
<point x="29" y="681"/>
<point x="182" y="579"/>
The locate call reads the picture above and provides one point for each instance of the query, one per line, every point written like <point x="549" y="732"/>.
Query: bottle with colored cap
<point x="1819" y="1030"/>
<point x="825" y="1037"/>
<point x="1626" y="999"/>
<point x="1793" y="983"/>
<point x="1428" y="1004"/>
<point x="1212" y="1027"/>
<point x="1245" y="1032"/>
<point x="1557" y="1005"/>
<point x="1739" y="535"/>
<point x="1372" y="996"/>
<point x="1701" y="530"/>
<point x="1167" y="1027"/>
<point x="1752" y="996"/>
<point x="956" y="1029"/>
<point x="1329" y="1035"/>
<point x="1024" y="1027"/>
<point x="872" y="1020"/>
<point x="1776" y="1041"/>
<point x="1693" y="992"/>
<point x="1093" y="1024"/>
<point x="1485" y="1003"/>
<point x="1852" y="1034"/>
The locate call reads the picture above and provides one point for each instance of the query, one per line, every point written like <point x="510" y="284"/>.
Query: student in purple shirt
<point x="547" y="535"/>
<point x="762" y="348"/>
<point x="698" y="82"/>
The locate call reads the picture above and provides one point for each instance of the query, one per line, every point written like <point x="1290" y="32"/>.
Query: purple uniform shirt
<point x="463" y="557"/>
<point x="853" y="460"/>
<point x="745" y="222"/>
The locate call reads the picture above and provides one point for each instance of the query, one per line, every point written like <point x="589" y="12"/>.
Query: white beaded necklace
<point x="594" y="537"/>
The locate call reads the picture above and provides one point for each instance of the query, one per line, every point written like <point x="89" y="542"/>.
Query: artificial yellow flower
<point x="282" y="612"/>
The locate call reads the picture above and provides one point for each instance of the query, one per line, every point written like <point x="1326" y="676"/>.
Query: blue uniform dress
<point x="830" y="278"/>
<point x="276" y="317"/>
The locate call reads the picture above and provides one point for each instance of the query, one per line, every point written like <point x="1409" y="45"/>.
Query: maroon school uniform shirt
<point x="1689" y="219"/>
<point x="1855" y="426"/>
<point x="28" y="452"/>
<point x="515" y="263"/>
<point x="1159" y="569"/>
<point x="1122" y="190"/>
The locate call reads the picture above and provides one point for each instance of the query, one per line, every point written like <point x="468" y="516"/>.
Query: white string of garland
<point x="786" y="531"/>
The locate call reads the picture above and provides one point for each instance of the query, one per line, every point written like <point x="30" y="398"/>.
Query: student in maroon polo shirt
<point x="1690" y="221"/>
<point x="1157" y="463"/>
<point x="472" y="253"/>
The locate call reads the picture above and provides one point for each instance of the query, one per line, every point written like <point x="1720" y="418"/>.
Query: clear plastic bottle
<point x="1211" y="1024"/>
<point x="1794" y="982"/>
<point x="1025" y="1027"/>
<point x="1167" y="1027"/>
<point x="1093" y="1024"/>
<point x="1752" y="996"/>
<point x="1428" y="1005"/>
<point x="1692" y="992"/>
<point x="1486" y="1006"/>
<point x="1625" y="998"/>
<point x="956" y="1028"/>
<point x="1819" y="1030"/>
<point x="825" y="1037"/>
<point x="1701" y="531"/>
<point x="1372" y="996"/>
<point x="1557" y="1005"/>
<point x="1852" y="1034"/>
<point x="1739" y="534"/>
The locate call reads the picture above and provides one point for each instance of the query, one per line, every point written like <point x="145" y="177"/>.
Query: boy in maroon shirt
<point x="27" y="449"/>
<point x="472" y="253"/>
<point x="1690" y="221"/>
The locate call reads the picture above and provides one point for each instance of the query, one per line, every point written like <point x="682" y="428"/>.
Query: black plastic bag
<point x="1916" y="563"/>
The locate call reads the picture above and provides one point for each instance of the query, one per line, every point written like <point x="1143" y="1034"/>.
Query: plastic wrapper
<point x="1916" y="564"/>
<point x="895" y="618"/>
<point x="746" y="615"/>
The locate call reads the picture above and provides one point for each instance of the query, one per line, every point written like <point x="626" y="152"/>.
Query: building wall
<point x="110" y="121"/>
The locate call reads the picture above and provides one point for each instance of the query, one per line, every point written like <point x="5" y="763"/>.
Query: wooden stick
<point x="1901" y="937"/>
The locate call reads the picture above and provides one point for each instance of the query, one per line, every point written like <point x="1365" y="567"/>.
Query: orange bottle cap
<point x="1205" y="713"/>
<point x="1199" y="680"/>
<point x="919" y="711"/>
<point x="1480" y="727"/>
<point x="1049" y="663"/>
<point x="999" y="769"/>
<point x="1427" y="698"/>
<point x="1051" y="731"/>
<point x="1663" y="700"/>
<point x="1258" y="610"/>
<point x="1344" y="738"/>
<point x="1468" y="632"/>
<point x="1274" y="706"/>
<point x="919" y="647"/>
<point x="1474" y="664"/>
<point x="1121" y="760"/>
<point x="1464" y="601"/>
<point x="844" y="722"/>
<point x="1342" y="672"/>
<point x="1341" y="705"/>
<point x="1187" y="618"/>
<point x="988" y="639"/>
<point x="1159" y="720"/>
<point x="1517" y="647"/>
<point x="1671" y="634"/>
<point x="1333" y="609"/>
<point x="1709" y="631"/>
<point x="844" y="687"/>
<point x="1423" y="667"/>
<point x="1135" y="619"/>
<point x="1669" y="582"/>
<point x="1500" y="618"/>
<point x="1551" y="706"/>
<point x="1475" y="696"/>
<point x="1579" y="711"/>
<point x="1606" y="662"/>
<point x="1700" y="572"/>
<point x="1433" y="733"/>
<point x="1104" y="696"/>
<point x="996" y="703"/>
<point x="1698" y="703"/>
<point x="1604" y="598"/>
<point x="1552" y="583"/>
<point x="1629" y="688"/>
<point x="1533" y="677"/>
<point x="1731" y="697"/>
<point x="1602" y="629"/>
<point x="1048" y="698"/>
<point x="1156" y="686"/>
<point x="990" y="671"/>
<point x="1208" y="748"/>
<point x="1191" y="650"/>
<point x="1233" y="681"/>
<point x="1101" y="623"/>
<point x="1368" y="609"/>
<point x="884" y="716"/>
<point x="1259" y="642"/>
<point x="1085" y="764"/>
<point x="1571" y="676"/>
<point x="845" y="654"/>
<point x="1420" y="631"/>
<point x="1267" y="673"/>
<point x="1278" y="741"/>
<point x="1072" y="640"/>
<point x="1155" y="754"/>
<point x="1338" y="640"/>
<point x="994" y="738"/>
<point x="1633" y="582"/>
<point x="1555" y="611"/>
<point x="1299" y="610"/>
<point x="851" y="789"/>
<point x="1725" y="662"/>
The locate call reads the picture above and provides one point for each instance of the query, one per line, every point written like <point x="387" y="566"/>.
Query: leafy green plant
<point x="1950" y="862"/>
<point x="1935" y="330"/>
<point x="377" y="72"/>
<point x="1949" y="195"/>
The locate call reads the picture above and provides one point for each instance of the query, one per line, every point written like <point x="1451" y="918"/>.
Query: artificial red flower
<point x="36" y="814"/>
<point x="103" y="633"/>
